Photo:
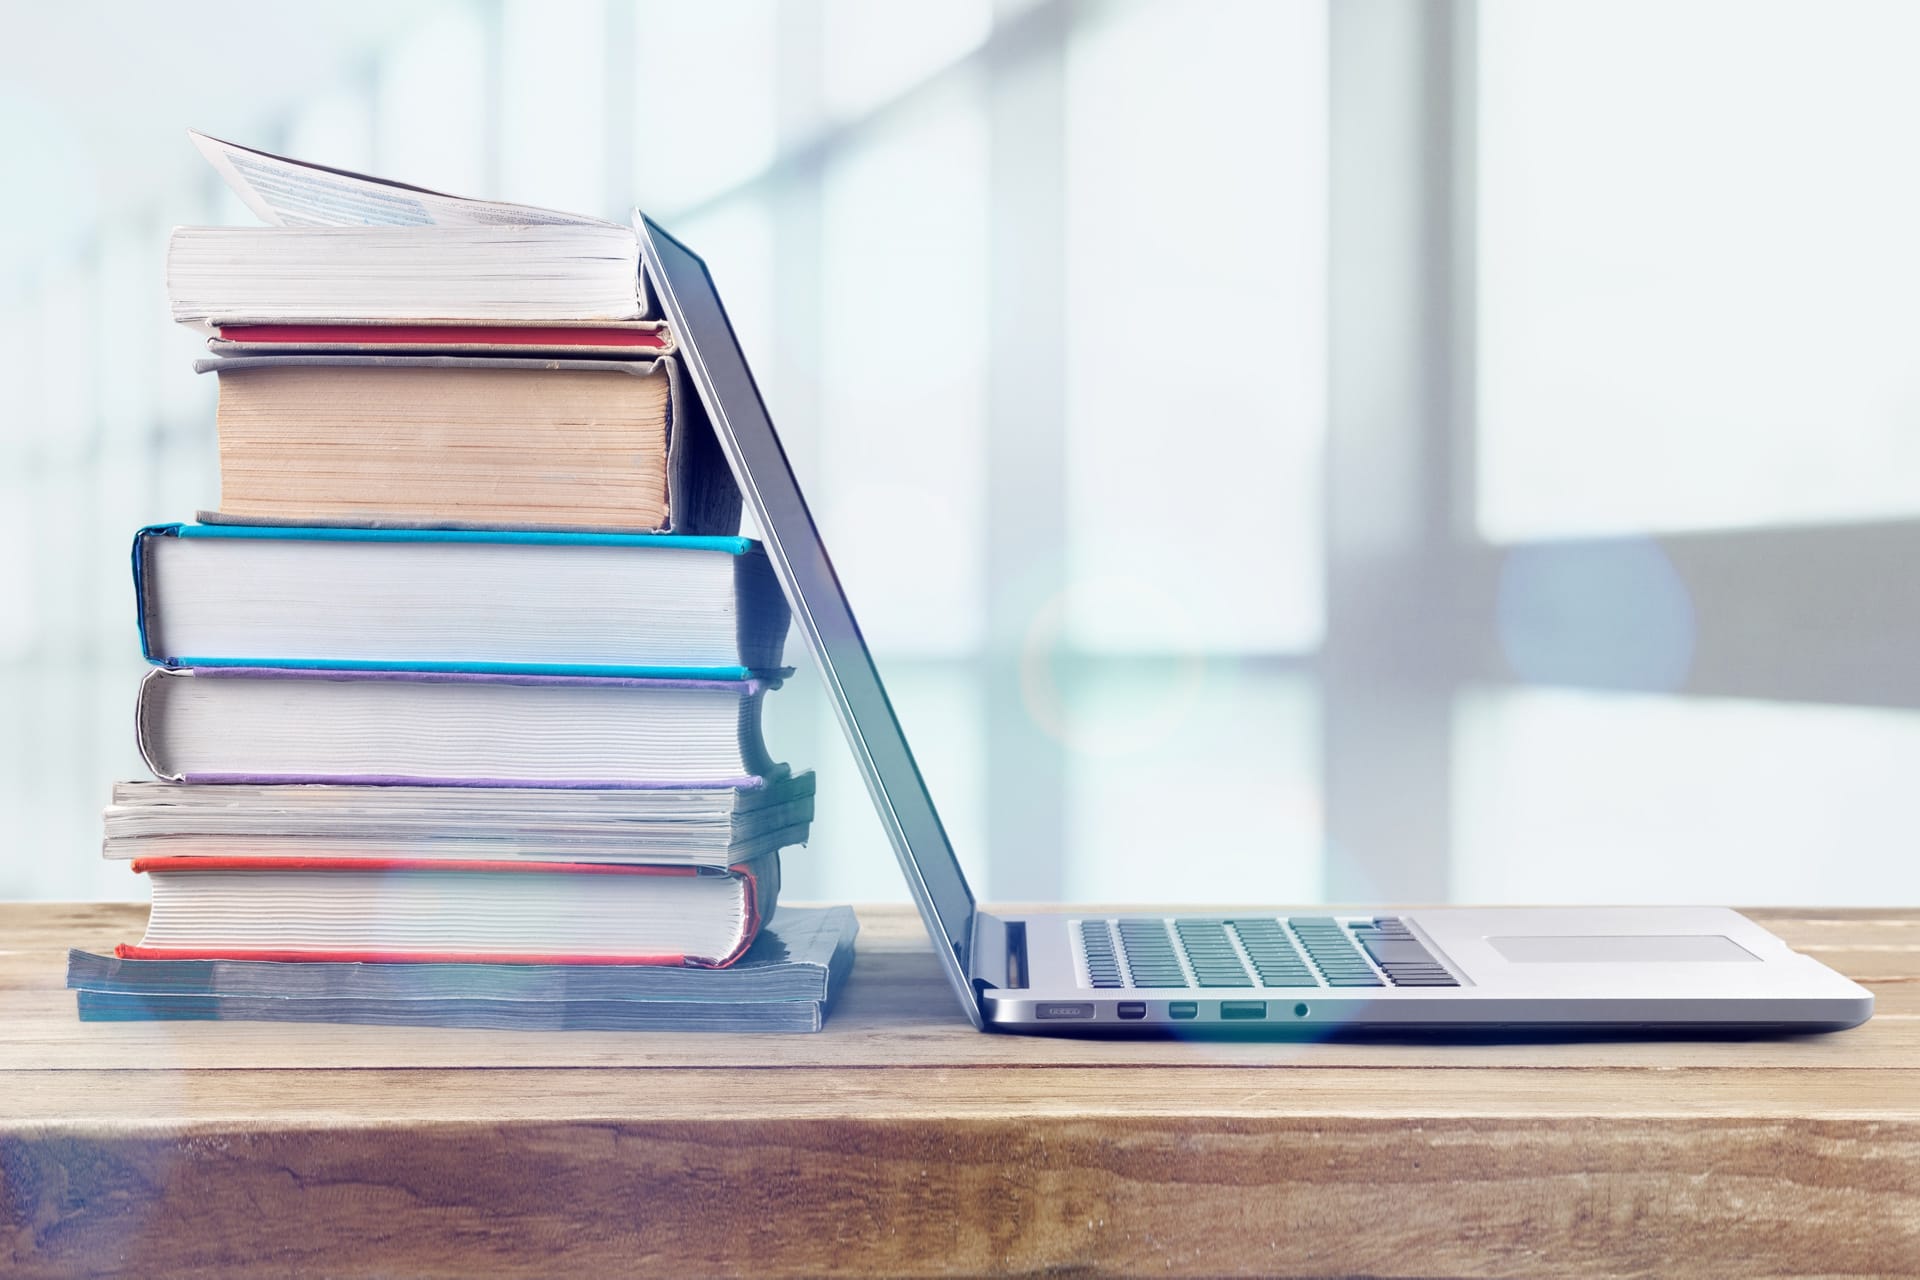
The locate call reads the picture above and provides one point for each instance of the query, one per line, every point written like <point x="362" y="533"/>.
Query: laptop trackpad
<point x="1621" y="949"/>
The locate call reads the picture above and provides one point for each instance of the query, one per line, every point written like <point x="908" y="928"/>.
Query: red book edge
<point x="254" y="862"/>
<point x="353" y="335"/>
<point x="136" y="951"/>
<point x="749" y="931"/>
<point x="133" y="951"/>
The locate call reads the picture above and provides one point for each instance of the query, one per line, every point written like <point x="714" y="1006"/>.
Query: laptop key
<point x="1403" y="957"/>
<point x="1103" y="962"/>
<point x="1149" y="954"/>
<point x="1398" y="952"/>
<point x="1150" y="958"/>
<point x="1210" y="952"/>
<point x="1333" y="952"/>
<point x="1271" y="954"/>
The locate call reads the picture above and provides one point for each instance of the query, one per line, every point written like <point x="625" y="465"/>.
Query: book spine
<point x="702" y="497"/>
<point x="761" y="881"/>
<point x="145" y="607"/>
<point x="146" y="724"/>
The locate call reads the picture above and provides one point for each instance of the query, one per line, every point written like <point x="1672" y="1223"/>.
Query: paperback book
<point x="788" y="980"/>
<point x="343" y="246"/>
<point x="693" y="826"/>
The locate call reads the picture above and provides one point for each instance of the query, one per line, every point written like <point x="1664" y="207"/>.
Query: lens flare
<point x="1161" y="689"/>
<point x="1605" y="614"/>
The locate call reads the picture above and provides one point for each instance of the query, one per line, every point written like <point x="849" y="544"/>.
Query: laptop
<point x="1598" y="969"/>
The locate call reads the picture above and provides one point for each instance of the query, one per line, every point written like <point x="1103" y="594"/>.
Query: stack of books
<point x="456" y="705"/>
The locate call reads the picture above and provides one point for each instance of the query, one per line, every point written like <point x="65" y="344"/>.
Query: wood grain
<point x="855" y="1195"/>
<point x="900" y="1142"/>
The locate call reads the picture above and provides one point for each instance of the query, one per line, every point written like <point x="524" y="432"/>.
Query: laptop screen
<point x="820" y="610"/>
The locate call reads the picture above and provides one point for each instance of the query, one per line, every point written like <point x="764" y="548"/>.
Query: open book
<point x="294" y="193"/>
<point x="345" y="247"/>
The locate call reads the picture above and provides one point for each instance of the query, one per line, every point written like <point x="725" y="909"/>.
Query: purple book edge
<point x="743" y="687"/>
<point x="744" y="783"/>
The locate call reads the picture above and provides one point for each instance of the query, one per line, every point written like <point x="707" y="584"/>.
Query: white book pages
<point x="390" y="911"/>
<point x="704" y="826"/>
<point x="145" y="807"/>
<point x="672" y="848"/>
<point x="585" y="273"/>
<point x="275" y="600"/>
<point x="606" y="733"/>
<point x="286" y="192"/>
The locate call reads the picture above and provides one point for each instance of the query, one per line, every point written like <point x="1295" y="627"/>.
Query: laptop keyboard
<point x="1146" y="952"/>
<point x="1256" y="951"/>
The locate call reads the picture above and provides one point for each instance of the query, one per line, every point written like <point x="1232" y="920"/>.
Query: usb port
<point x="1133" y="1010"/>
<point x="1048" y="1012"/>
<point x="1243" y="1008"/>
<point x="1184" y="1008"/>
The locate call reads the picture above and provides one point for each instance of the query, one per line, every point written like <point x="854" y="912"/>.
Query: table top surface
<point x="900" y="1142"/>
<point x="898" y="1045"/>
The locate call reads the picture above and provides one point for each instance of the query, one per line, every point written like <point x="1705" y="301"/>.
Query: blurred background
<point x="1278" y="449"/>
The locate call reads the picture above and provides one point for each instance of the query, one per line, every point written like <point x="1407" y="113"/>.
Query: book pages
<point x="294" y="193"/>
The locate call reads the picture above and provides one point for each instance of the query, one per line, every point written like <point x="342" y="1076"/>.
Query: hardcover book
<point x="442" y="441"/>
<point x="621" y="340"/>
<point x="397" y="910"/>
<point x="458" y="600"/>
<point x="469" y="729"/>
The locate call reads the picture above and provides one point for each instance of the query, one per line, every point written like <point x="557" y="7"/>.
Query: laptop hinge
<point x="999" y="950"/>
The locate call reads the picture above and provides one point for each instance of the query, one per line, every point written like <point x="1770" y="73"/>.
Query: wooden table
<point x="901" y="1142"/>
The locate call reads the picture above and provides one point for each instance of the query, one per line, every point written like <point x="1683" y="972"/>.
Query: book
<point x="342" y="245"/>
<point x="621" y="340"/>
<point x="788" y="980"/>
<point x="471" y="1012"/>
<point x="398" y="910"/>
<point x="701" y="826"/>
<point x="802" y="953"/>
<point x="579" y="273"/>
<point x="451" y="441"/>
<point x="458" y="600"/>
<point x="285" y="192"/>
<point x="462" y="684"/>
<point x="469" y="729"/>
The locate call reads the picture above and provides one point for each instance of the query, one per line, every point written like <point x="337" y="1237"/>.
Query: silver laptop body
<point x="1244" y="970"/>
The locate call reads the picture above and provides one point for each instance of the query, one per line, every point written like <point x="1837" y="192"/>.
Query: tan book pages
<point x="382" y="440"/>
